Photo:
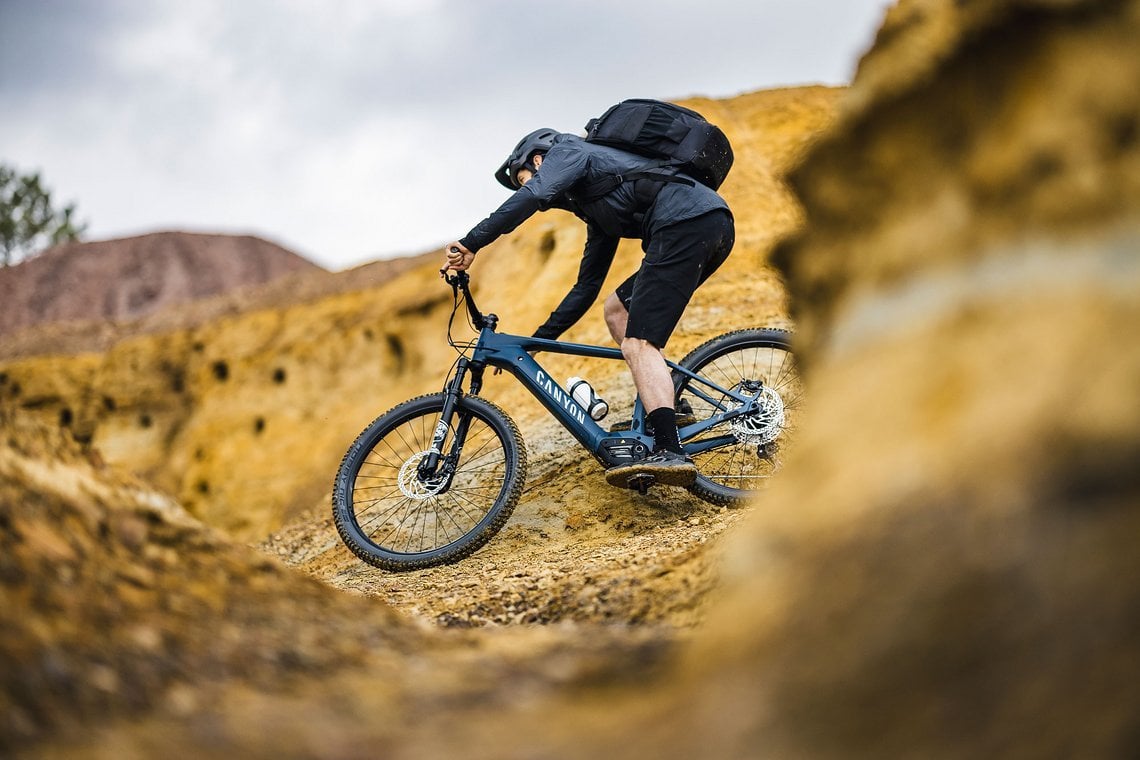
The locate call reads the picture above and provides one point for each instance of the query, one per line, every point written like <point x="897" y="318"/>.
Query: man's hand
<point x="458" y="257"/>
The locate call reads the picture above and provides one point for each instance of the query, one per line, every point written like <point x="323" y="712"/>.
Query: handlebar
<point x="460" y="282"/>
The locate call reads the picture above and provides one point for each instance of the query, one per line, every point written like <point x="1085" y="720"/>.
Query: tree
<point x="28" y="221"/>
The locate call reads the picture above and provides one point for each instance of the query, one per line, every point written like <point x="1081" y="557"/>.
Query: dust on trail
<point x="575" y="549"/>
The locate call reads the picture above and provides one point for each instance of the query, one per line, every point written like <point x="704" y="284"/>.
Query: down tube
<point x="560" y="403"/>
<point x="554" y="397"/>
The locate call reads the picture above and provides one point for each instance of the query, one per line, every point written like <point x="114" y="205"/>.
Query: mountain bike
<point x="435" y="478"/>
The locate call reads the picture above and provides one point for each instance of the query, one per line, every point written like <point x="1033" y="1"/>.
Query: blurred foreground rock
<point x="114" y="601"/>
<point x="949" y="568"/>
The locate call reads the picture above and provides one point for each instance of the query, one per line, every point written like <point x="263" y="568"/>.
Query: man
<point x="686" y="231"/>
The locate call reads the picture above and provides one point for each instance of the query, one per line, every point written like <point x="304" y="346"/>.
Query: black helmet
<point x="538" y="141"/>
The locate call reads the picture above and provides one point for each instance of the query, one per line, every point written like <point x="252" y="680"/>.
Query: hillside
<point x="303" y="283"/>
<point x="179" y="406"/>
<point x="132" y="277"/>
<point x="945" y="567"/>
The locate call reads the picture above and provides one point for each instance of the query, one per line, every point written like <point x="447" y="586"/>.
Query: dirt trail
<point x="575" y="549"/>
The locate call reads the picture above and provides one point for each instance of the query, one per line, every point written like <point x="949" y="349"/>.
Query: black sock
<point x="664" y="422"/>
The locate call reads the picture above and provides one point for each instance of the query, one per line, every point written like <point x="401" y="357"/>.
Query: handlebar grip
<point x="451" y="249"/>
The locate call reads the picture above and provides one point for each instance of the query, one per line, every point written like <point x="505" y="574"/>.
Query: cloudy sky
<point x="349" y="130"/>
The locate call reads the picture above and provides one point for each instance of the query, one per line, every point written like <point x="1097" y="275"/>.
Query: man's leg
<point x="667" y="464"/>
<point x="617" y="317"/>
<point x="646" y="363"/>
<point x="677" y="260"/>
<point x="650" y="373"/>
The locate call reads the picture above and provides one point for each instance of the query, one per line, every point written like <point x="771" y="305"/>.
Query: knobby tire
<point x="732" y="474"/>
<point x="391" y="519"/>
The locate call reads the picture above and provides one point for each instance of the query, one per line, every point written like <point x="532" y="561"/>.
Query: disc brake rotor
<point x="764" y="425"/>
<point x="413" y="486"/>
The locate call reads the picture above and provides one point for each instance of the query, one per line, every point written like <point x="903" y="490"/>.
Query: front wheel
<point x="749" y="448"/>
<point x="394" y="514"/>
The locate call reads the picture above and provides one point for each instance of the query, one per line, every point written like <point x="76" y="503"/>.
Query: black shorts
<point x="678" y="259"/>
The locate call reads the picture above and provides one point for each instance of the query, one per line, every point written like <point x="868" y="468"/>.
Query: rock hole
<point x="65" y="417"/>
<point x="547" y="245"/>
<point x="202" y="487"/>
<point x="1126" y="131"/>
<point x="145" y="421"/>
<point x="109" y="404"/>
<point x="221" y="370"/>
<point x="1043" y="166"/>
<point x="396" y="346"/>
<point x="259" y="425"/>
<point x="279" y="375"/>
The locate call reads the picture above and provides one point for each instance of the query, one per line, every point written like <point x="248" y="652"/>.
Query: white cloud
<point x="356" y="128"/>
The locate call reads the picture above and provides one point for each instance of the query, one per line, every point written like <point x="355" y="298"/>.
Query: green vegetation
<point x="29" y="223"/>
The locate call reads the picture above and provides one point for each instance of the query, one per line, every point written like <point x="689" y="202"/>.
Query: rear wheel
<point x="756" y="362"/>
<point x="393" y="514"/>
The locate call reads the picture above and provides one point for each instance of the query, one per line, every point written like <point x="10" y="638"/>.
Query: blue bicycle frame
<point x="511" y="353"/>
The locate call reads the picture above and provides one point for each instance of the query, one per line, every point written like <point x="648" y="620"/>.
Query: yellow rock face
<point x="244" y="419"/>
<point x="947" y="566"/>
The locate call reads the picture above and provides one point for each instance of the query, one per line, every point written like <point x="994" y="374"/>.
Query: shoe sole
<point x="670" y="476"/>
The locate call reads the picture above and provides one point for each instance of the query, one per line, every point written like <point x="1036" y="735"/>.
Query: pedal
<point x="640" y="483"/>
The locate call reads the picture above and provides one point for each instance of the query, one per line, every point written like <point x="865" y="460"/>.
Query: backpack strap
<point x="592" y="191"/>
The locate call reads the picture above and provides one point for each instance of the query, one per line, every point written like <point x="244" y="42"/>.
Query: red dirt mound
<point x="130" y="277"/>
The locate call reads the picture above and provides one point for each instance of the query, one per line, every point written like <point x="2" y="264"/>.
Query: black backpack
<point x="676" y="137"/>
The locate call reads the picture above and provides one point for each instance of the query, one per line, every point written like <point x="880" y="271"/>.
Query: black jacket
<point x="636" y="209"/>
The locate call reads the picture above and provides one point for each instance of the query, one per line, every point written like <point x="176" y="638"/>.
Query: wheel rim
<point x="760" y="439"/>
<point x="401" y="512"/>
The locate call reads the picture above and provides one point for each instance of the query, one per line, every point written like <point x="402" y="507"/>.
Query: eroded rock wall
<point x="244" y="417"/>
<point x="947" y="569"/>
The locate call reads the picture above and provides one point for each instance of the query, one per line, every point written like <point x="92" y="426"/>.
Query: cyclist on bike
<point x="686" y="231"/>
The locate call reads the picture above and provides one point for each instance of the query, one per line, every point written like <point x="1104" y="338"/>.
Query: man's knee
<point x="634" y="348"/>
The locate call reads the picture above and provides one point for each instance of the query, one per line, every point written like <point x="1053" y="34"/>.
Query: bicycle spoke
<point x="394" y="503"/>
<point x="742" y="451"/>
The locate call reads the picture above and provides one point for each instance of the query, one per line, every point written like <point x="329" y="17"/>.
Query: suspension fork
<point x="452" y="394"/>
<point x="464" y="423"/>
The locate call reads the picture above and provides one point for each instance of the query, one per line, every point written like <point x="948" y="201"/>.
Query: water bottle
<point x="581" y="392"/>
